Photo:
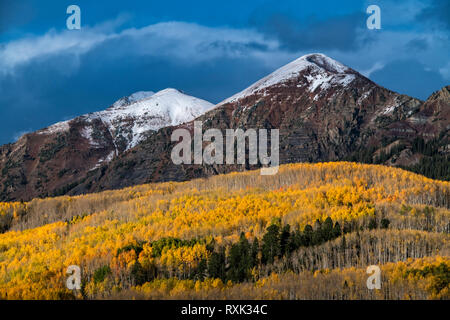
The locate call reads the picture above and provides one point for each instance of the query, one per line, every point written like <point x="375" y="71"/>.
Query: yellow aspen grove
<point x="308" y="232"/>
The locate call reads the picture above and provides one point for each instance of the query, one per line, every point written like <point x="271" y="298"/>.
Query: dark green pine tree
<point x="317" y="237"/>
<point x="372" y="224"/>
<point x="138" y="274"/>
<point x="295" y="241"/>
<point x="200" y="273"/>
<point x="271" y="244"/>
<point x="245" y="252"/>
<point x="284" y="240"/>
<point x="336" y="230"/>
<point x="254" y="253"/>
<point x="385" y="223"/>
<point x="307" y="235"/>
<point x="327" y="229"/>
<point x="239" y="260"/>
<point x="211" y="245"/>
<point x="347" y="227"/>
<point x="216" y="264"/>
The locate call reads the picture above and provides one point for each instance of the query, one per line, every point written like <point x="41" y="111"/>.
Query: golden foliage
<point x="48" y="235"/>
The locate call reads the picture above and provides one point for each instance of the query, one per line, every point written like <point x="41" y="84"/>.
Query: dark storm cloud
<point x="53" y="74"/>
<point x="438" y="13"/>
<point x="14" y="14"/>
<point x="418" y="44"/>
<point x="232" y="47"/>
<point x="409" y="77"/>
<point x="64" y="74"/>
<point x="53" y="89"/>
<point x="339" y="32"/>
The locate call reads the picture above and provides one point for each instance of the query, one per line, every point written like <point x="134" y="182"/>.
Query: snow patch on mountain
<point x="106" y="159"/>
<point x="168" y="104"/>
<point x="55" y="128"/>
<point x="364" y="96"/>
<point x="389" y="109"/>
<point x="87" y="133"/>
<point x="131" y="119"/>
<point x="132" y="122"/>
<point x="323" y="73"/>
<point x="137" y="96"/>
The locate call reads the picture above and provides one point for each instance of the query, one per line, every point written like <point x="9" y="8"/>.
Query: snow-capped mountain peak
<point x="131" y="119"/>
<point x="320" y="71"/>
<point x="131" y="123"/>
<point x="137" y="96"/>
<point x="325" y="62"/>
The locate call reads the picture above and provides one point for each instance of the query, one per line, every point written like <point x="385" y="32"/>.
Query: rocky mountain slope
<point x="51" y="160"/>
<point x="325" y="111"/>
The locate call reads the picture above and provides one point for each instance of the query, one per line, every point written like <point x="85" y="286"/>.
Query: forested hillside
<point x="308" y="232"/>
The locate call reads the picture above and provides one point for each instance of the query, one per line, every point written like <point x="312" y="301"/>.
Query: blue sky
<point x="209" y="49"/>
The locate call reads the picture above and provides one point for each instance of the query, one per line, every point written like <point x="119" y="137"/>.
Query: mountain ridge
<point x="343" y="123"/>
<point x="145" y="110"/>
<point x="53" y="158"/>
<point x="319" y="62"/>
<point x="324" y="110"/>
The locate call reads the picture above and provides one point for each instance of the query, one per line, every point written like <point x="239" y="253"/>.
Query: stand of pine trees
<point x="433" y="164"/>
<point x="238" y="261"/>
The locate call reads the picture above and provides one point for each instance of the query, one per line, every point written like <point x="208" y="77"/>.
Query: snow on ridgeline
<point x="130" y="119"/>
<point x="167" y="107"/>
<point x="171" y="105"/>
<point x="324" y="73"/>
<point x="135" y="97"/>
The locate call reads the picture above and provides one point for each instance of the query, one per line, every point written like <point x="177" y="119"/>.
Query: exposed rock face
<point x="53" y="160"/>
<point x="324" y="110"/>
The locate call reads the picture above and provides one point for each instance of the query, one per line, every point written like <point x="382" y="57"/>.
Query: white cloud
<point x="445" y="71"/>
<point x="377" y="66"/>
<point x="187" y="41"/>
<point x="190" y="43"/>
<point x="18" y="52"/>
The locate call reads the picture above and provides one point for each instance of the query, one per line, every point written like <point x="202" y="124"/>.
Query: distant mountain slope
<point x="322" y="74"/>
<point x="131" y="119"/>
<point x="50" y="160"/>
<point x="325" y="111"/>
